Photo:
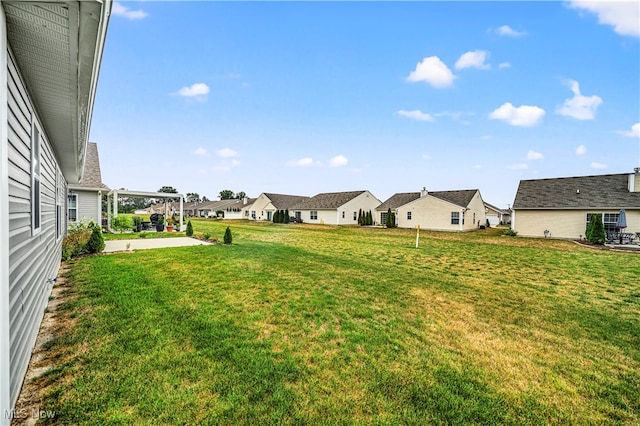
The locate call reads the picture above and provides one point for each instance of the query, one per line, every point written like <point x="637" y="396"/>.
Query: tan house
<point x="335" y="208"/>
<point x="461" y="210"/>
<point x="561" y="207"/>
<point x="497" y="216"/>
<point x="84" y="200"/>
<point x="265" y="206"/>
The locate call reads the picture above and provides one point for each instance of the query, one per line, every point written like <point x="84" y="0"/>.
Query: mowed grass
<point x="302" y="324"/>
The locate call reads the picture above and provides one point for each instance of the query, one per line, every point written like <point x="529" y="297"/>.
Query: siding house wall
<point x="365" y="201"/>
<point x="261" y="206"/>
<point x="564" y="223"/>
<point x="435" y="214"/>
<point x="88" y="202"/>
<point x="34" y="258"/>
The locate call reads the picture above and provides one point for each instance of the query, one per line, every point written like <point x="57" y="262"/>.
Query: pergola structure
<point x="118" y="192"/>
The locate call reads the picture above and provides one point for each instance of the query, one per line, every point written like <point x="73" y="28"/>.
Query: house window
<point x="36" y="197"/>
<point x="343" y="215"/>
<point x="269" y="215"/>
<point x="408" y="215"/>
<point x="314" y="215"/>
<point x="355" y="215"/>
<point x="455" y="218"/>
<point x="608" y="219"/>
<point x="253" y="214"/>
<point x="383" y="217"/>
<point x="72" y="202"/>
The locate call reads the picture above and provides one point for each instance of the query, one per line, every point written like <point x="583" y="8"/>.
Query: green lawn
<point x="302" y="324"/>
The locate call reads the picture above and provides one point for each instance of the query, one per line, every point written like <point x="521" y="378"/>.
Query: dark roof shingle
<point x="582" y="192"/>
<point x="460" y="198"/>
<point x="284" y="202"/>
<point x="91" y="175"/>
<point x="327" y="200"/>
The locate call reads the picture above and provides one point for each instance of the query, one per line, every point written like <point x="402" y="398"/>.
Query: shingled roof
<point x="460" y="198"/>
<point x="582" y="192"/>
<point x="328" y="200"/>
<point x="91" y="175"/>
<point x="397" y="200"/>
<point x="284" y="202"/>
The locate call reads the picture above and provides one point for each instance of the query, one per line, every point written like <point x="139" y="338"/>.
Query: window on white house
<point x="314" y="215"/>
<point x="383" y="217"/>
<point x="455" y="218"/>
<point x="408" y="215"/>
<point x="72" y="203"/>
<point x="343" y="215"/>
<point x="36" y="196"/>
<point x="355" y="215"/>
<point x="253" y="214"/>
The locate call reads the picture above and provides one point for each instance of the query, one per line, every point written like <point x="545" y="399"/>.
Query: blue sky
<point x="308" y="97"/>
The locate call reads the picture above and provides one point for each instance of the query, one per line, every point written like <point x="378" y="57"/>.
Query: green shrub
<point x="121" y="223"/>
<point x="96" y="240"/>
<point x="391" y="219"/>
<point x="510" y="232"/>
<point x="189" y="229"/>
<point x="206" y="235"/>
<point x="227" y="236"/>
<point x="595" y="230"/>
<point x="75" y="243"/>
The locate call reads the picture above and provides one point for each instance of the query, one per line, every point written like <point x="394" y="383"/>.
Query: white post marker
<point x="417" y="235"/>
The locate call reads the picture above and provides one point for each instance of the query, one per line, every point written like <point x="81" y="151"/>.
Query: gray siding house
<point x="85" y="198"/>
<point x="50" y="54"/>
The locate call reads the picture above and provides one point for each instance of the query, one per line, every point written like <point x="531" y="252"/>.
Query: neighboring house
<point x="264" y="207"/>
<point x="497" y="216"/>
<point x="85" y="199"/>
<point x="226" y="209"/>
<point x="436" y="210"/>
<point x="335" y="208"/>
<point x="50" y="54"/>
<point x="561" y="207"/>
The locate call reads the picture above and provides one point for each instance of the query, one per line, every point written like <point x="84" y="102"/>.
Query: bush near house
<point x="228" y="238"/>
<point x="595" y="230"/>
<point x="189" y="229"/>
<point x="96" y="240"/>
<point x="82" y="238"/>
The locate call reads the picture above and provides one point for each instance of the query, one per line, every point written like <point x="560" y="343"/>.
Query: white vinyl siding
<point x="33" y="259"/>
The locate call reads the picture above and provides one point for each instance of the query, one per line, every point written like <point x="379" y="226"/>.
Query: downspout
<point x="6" y="402"/>
<point x="99" y="209"/>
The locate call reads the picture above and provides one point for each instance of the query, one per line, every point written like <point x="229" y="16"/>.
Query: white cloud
<point x="581" y="150"/>
<point x="504" y="65"/>
<point x="595" y="165"/>
<point x="338" y="161"/>
<point x="476" y="166"/>
<point x="426" y="157"/>
<point x="302" y="162"/>
<point x="473" y="59"/>
<point x="202" y="152"/>
<point x="623" y="16"/>
<point x="227" y="153"/>
<point x="524" y="116"/>
<point x="507" y="31"/>
<point x="415" y="115"/>
<point x="119" y="10"/>
<point x="433" y="71"/>
<point x="633" y="133"/>
<point x="579" y="107"/>
<point x="518" y="166"/>
<point x="197" y="89"/>
<point x="532" y="155"/>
